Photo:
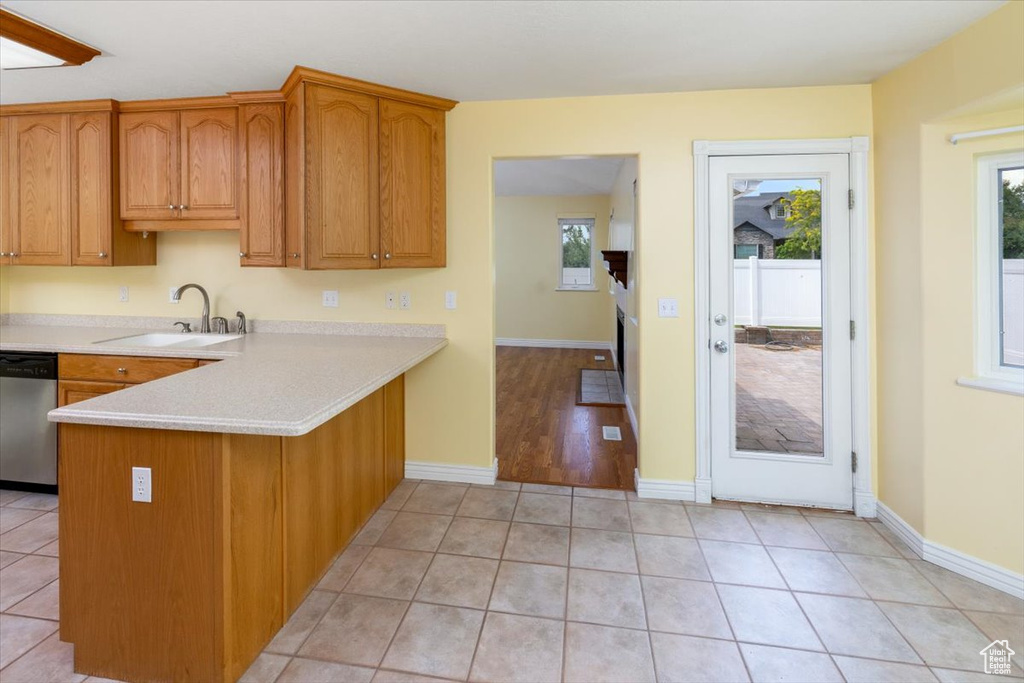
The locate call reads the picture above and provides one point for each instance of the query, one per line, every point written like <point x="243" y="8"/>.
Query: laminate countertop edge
<point x="265" y="384"/>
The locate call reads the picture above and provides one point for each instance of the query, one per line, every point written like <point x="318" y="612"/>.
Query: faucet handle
<point x="221" y="324"/>
<point x="185" y="327"/>
<point x="241" y="322"/>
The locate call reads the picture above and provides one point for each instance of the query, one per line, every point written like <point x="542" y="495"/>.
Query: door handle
<point x="721" y="346"/>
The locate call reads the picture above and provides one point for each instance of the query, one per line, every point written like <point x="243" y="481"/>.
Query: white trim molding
<point x="663" y="489"/>
<point x="857" y="149"/>
<point x="467" y="474"/>
<point x="554" y="343"/>
<point x="632" y="416"/>
<point x="955" y="561"/>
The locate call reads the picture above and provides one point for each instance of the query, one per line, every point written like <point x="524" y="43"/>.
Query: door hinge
<point x="853" y="330"/>
<point x="853" y="461"/>
<point x="851" y="198"/>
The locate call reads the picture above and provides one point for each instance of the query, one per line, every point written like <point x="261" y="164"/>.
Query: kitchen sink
<point x="170" y="340"/>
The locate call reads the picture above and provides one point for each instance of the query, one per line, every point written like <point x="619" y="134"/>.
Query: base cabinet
<point x="240" y="529"/>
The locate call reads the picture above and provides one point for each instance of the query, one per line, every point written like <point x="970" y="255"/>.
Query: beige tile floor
<point x="537" y="583"/>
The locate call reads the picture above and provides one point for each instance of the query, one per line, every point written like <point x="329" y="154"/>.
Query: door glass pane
<point x="777" y="312"/>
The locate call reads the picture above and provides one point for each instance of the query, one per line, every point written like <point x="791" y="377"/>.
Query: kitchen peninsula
<point x="264" y="464"/>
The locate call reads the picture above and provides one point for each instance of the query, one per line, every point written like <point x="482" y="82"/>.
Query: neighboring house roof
<point x="754" y="211"/>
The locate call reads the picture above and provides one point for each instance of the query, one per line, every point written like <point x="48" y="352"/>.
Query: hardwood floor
<point x="543" y="436"/>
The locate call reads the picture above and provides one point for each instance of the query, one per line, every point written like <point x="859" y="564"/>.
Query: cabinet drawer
<point x="126" y="369"/>
<point x="72" y="391"/>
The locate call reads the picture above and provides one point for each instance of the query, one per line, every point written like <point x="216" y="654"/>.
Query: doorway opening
<point x="565" y="374"/>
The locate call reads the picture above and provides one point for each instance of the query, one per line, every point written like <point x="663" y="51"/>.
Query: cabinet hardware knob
<point x="172" y="207"/>
<point x="102" y="254"/>
<point x="122" y="371"/>
<point x="294" y="254"/>
<point x="3" y="253"/>
<point x="13" y="254"/>
<point x="387" y="256"/>
<point x="182" y="207"/>
<point x="242" y="254"/>
<point x="373" y="256"/>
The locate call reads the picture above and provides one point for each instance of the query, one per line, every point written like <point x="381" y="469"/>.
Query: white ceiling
<point x="498" y="49"/>
<point x="556" y="177"/>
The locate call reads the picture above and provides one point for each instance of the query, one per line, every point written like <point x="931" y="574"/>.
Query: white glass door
<point x="781" y="409"/>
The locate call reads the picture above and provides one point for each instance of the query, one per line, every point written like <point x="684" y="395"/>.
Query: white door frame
<point x="857" y="149"/>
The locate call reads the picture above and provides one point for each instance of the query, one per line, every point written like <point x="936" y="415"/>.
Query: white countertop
<point x="267" y="383"/>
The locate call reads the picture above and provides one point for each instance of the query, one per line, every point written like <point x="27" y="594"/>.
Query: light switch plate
<point x="329" y="298"/>
<point x="449" y="300"/>
<point x="170" y="295"/>
<point x="668" y="308"/>
<point x="389" y="300"/>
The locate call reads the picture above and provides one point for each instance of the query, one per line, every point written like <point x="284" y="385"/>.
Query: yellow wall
<point x="451" y="396"/>
<point x="950" y="456"/>
<point x="527" y="250"/>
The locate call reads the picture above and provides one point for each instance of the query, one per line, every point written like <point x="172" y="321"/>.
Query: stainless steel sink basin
<point x="170" y="340"/>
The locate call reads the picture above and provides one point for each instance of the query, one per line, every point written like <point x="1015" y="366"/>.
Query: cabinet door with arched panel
<point x="149" y="165"/>
<point x="209" y="163"/>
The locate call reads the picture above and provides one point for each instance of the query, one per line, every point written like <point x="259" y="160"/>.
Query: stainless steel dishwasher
<point x="28" y="442"/>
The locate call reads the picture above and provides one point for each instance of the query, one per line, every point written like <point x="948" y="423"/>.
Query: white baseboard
<point x="665" y="489"/>
<point x="632" y="418"/>
<point x="554" y="343"/>
<point x="467" y="474"/>
<point x="955" y="561"/>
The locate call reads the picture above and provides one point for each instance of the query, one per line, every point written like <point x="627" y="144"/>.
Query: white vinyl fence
<point x="783" y="292"/>
<point x="1013" y="311"/>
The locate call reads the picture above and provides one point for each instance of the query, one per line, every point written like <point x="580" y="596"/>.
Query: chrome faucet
<point x="241" y="322"/>
<point x="204" y="326"/>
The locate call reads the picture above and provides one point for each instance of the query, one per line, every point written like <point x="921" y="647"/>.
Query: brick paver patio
<point x="778" y="400"/>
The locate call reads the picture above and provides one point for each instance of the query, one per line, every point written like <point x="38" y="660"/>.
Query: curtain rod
<point x="984" y="133"/>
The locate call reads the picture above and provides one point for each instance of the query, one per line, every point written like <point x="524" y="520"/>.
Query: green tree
<point x="1013" y="220"/>
<point x="575" y="246"/>
<point x="804" y="242"/>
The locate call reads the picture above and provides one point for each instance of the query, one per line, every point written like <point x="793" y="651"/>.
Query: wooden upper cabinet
<point x="6" y="240"/>
<point x="342" y="228"/>
<point x="365" y="174"/>
<point x="39" y="206"/>
<point x="149" y="165"/>
<point x="412" y="186"/>
<point x="261" y="239"/>
<point x="180" y="165"/>
<point x="209" y="164"/>
<point x="92" y="210"/>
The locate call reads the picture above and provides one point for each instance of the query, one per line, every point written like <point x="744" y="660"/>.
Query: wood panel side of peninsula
<point x="192" y="586"/>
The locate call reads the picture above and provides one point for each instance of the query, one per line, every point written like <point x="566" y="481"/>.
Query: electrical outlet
<point x="122" y="295"/>
<point x="668" y="308"/>
<point x="170" y="295"/>
<point x="330" y="298"/>
<point x="142" y="485"/>
<point x="449" y="300"/>
<point x="405" y="301"/>
<point x="389" y="300"/>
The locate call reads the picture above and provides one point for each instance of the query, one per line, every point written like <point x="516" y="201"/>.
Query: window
<point x="576" y="262"/>
<point x="746" y="250"/>
<point x="781" y="209"/>
<point x="999" y="325"/>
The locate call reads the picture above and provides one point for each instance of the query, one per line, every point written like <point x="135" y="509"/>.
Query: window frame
<point x="989" y="371"/>
<point x="786" y="210"/>
<point x="591" y="222"/>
